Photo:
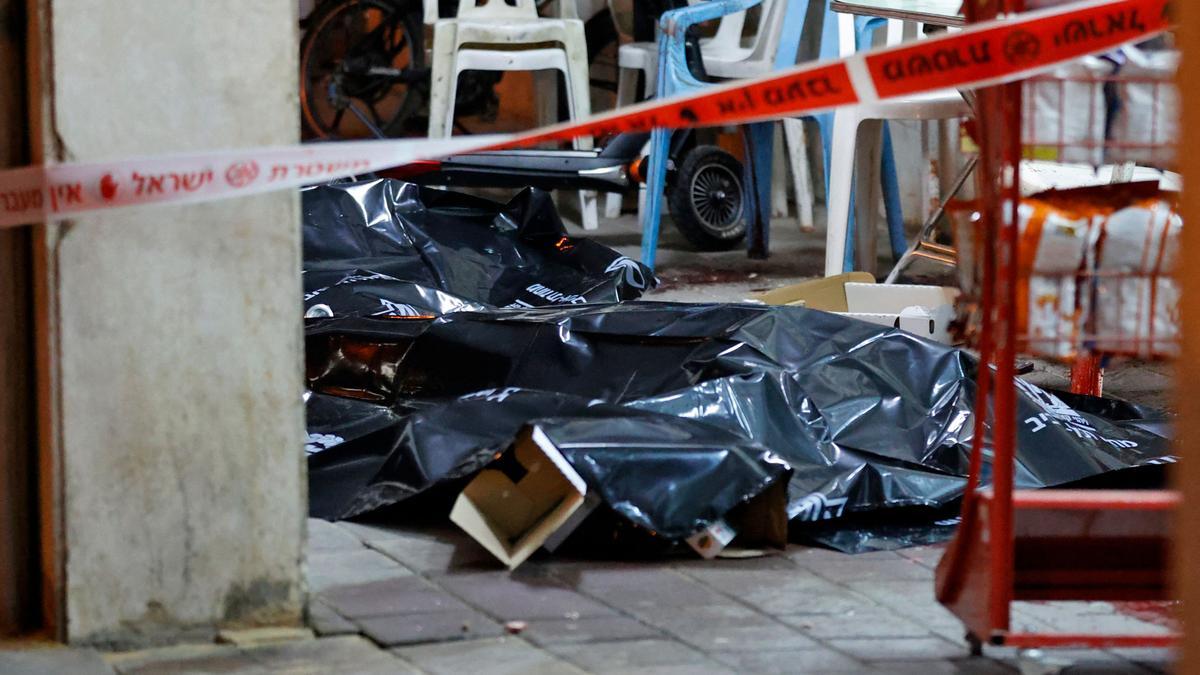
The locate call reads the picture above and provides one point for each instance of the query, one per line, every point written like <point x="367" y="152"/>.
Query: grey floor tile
<point x="863" y="621"/>
<point x="788" y="661"/>
<point x="631" y="588"/>
<point x="330" y="569"/>
<point x="53" y="661"/>
<point x="629" y="655"/>
<point x="190" y="659"/>
<point x="347" y="654"/>
<point x="327" y="622"/>
<point x="899" y="649"/>
<point x="400" y="595"/>
<point x="510" y="598"/>
<point x="444" y="626"/>
<point x="968" y="666"/>
<point x="498" y="656"/>
<point x="439" y="551"/>
<point x="588" y="629"/>
<point x="326" y="536"/>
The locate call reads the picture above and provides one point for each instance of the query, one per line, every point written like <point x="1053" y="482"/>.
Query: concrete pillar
<point x="170" y="337"/>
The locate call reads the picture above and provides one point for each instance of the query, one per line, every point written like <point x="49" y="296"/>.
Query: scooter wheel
<point x="707" y="199"/>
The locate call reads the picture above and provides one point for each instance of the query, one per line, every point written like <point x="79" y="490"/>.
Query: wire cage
<point x="1091" y="266"/>
<point x="1078" y="273"/>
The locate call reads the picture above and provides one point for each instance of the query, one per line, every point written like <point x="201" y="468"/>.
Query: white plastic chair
<point x="725" y="56"/>
<point x="494" y="35"/>
<point x="851" y="123"/>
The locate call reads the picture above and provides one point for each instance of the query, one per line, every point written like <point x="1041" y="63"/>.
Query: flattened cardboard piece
<point x="513" y="518"/>
<point x="590" y="502"/>
<point x="894" y="298"/>
<point x="749" y="528"/>
<point x="762" y="522"/>
<point x="827" y="294"/>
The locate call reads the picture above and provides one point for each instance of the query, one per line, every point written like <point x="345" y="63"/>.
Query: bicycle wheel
<point x="360" y="61"/>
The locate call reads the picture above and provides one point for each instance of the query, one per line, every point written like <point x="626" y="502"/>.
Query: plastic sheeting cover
<point x="870" y="419"/>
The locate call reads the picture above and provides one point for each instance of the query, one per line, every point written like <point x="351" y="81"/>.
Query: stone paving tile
<point x="329" y="569"/>
<point x="373" y="531"/>
<point x="53" y="661"/>
<point x="590" y="629"/>
<point x="629" y="587"/>
<point x="439" y="551"/>
<point x="326" y="622"/>
<point x="1154" y="660"/>
<point x="773" y="560"/>
<point x="898" y="649"/>
<point x="926" y="555"/>
<point x="726" y="628"/>
<point x="444" y="626"/>
<point x="737" y="582"/>
<point x="685" y="618"/>
<point x="633" y="656"/>
<point x="780" y="592"/>
<point x="787" y="661"/>
<point x="865" y="621"/>
<point x="498" y="656"/>
<point x="753" y="636"/>
<point x="1087" y="617"/>
<point x="330" y="655"/>
<point x="326" y="536"/>
<point x="912" y="599"/>
<point x="813" y="557"/>
<point x="401" y="595"/>
<point x="204" y="658"/>
<point x="854" y="570"/>
<point x="965" y="666"/>
<point x="509" y="598"/>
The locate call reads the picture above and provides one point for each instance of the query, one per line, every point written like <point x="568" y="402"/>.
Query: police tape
<point x="995" y="52"/>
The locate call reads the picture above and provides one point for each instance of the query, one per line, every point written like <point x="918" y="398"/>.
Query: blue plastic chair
<point x="864" y="33"/>
<point x="674" y="77"/>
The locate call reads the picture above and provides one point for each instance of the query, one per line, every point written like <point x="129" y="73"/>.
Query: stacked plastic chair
<point x="858" y="32"/>
<point x="674" y="77"/>
<point x="495" y="35"/>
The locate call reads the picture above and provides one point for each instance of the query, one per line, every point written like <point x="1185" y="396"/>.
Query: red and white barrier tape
<point x="989" y="53"/>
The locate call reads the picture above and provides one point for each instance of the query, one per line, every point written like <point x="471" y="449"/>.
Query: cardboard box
<point x="513" y="507"/>
<point x="749" y="528"/>
<point x="827" y="294"/>
<point x="924" y="310"/>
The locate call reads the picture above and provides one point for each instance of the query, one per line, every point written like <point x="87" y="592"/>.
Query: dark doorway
<point x="20" y="581"/>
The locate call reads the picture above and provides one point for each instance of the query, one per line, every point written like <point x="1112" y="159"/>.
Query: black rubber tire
<point x="707" y="199"/>
<point x="317" y="113"/>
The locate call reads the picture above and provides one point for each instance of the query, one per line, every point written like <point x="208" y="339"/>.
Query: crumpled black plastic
<point x="871" y="419"/>
<point x="667" y="474"/>
<point x="389" y="248"/>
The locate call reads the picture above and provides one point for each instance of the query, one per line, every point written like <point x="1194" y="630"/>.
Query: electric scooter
<point x="704" y="187"/>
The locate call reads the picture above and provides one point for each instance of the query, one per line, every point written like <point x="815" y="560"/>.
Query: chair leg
<point x="579" y="93"/>
<point x="627" y="81"/>
<point x="546" y="84"/>
<point x="840" y="181"/>
<point x="779" y="176"/>
<point x="802" y="185"/>
<point x="893" y="208"/>
<point x="443" y="82"/>
<point x="760" y="146"/>
<point x="862" y="238"/>
<point x="656" y="178"/>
